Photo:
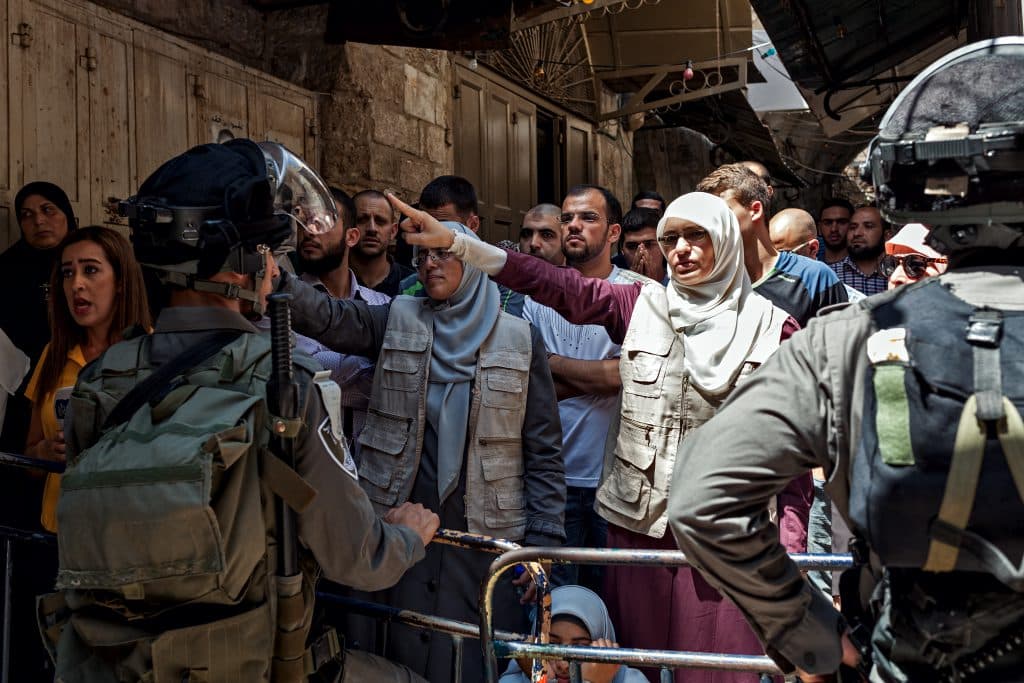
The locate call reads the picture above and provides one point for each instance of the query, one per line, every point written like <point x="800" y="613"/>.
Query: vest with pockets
<point x="938" y="475"/>
<point x="166" y="525"/>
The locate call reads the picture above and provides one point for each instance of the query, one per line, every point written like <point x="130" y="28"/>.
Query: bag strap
<point x="987" y="406"/>
<point x="161" y="377"/>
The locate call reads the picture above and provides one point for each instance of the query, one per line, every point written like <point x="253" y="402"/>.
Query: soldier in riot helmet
<point x="911" y="401"/>
<point x="168" y="529"/>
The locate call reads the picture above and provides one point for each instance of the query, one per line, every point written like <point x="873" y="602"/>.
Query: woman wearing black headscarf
<point x="45" y="216"/>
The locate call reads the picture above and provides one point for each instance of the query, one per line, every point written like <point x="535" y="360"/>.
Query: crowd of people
<point x="538" y="393"/>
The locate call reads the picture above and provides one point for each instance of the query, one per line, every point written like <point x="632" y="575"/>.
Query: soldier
<point x="168" y="536"/>
<point x="911" y="403"/>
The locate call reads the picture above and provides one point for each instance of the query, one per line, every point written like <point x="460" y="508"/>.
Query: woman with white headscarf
<point x="580" y="618"/>
<point x="684" y="349"/>
<point x="463" y="420"/>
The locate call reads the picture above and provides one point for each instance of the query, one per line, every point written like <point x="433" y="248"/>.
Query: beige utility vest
<point x="391" y="442"/>
<point x="659" y="406"/>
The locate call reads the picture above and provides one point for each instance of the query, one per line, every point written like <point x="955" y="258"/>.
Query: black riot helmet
<point x="221" y="207"/>
<point x="950" y="149"/>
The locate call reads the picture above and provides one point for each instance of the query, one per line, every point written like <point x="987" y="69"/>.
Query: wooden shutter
<point x="52" y="94"/>
<point x="163" y="92"/>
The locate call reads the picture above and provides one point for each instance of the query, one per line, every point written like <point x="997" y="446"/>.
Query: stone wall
<point x="614" y="167"/>
<point x="671" y="160"/>
<point x="385" y="112"/>
<point x="391" y="116"/>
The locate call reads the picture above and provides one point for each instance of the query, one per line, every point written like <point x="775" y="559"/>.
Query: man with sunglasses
<point x="908" y="259"/>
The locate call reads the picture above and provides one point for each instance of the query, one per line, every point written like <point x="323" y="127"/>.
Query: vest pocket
<point x="502" y="389"/>
<point x="625" y="491"/>
<point x="645" y="361"/>
<point x="381" y="443"/>
<point x="505" y="511"/>
<point x="401" y="360"/>
<point x="237" y="648"/>
<point x="501" y="458"/>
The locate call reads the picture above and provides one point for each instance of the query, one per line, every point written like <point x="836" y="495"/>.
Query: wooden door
<point x="222" y="96"/>
<point x="9" y="168"/>
<point x="523" y="176"/>
<point x="496" y="211"/>
<point x="283" y="116"/>
<point x="468" y="98"/>
<point x="108" y="63"/>
<point x="51" y="92"/>
<point x="578" y="151"/>
<point x="163" y="102"/>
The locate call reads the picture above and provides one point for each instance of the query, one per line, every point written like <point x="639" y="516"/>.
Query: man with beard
<point x="865" y="244"/>
<point x="541" y="234"/>
<point x="377" y="227"/>
<point x="833" y="224"/>
<point x="323" y="261"/>
<point x="584" y="364"/>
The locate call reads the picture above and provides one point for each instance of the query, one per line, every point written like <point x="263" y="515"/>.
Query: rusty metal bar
<point x="636" y="657"/>
<point x="650" y="558"/>
<point x="387" y="614"/>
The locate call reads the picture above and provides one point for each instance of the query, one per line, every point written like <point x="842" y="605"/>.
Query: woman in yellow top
<point x="96" y="293"/>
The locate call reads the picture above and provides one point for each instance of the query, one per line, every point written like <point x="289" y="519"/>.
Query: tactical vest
<point x="390" y="445"/>
<point x="166" y="528"/>
<point x="942" y="430"/>
<point x="658" y="408"/>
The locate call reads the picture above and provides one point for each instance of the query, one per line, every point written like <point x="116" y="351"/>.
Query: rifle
<point x="282" y="398"/>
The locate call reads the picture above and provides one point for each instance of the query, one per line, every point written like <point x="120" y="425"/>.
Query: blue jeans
<point x="584" y="528"/>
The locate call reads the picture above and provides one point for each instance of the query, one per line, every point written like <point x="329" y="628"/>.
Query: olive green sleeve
<point x="789" y="416"/>
<point x="351" y="543"/>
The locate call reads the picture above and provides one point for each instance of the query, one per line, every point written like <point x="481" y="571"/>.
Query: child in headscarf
<point x="579" y="617"/>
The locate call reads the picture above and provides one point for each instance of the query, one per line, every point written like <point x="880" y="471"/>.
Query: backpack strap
<point x="159" y="380"/>
<point x="987" y="406"/>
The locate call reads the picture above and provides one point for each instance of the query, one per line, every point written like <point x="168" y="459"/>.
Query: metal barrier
<point x="494" y="644"/>
<point x="665" y="659"/>
<point x="12" y="535"/>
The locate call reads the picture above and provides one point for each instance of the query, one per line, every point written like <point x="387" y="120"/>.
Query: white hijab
<point x="720" y="320"/>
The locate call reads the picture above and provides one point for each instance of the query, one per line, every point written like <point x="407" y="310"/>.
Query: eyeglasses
<point x="585" y="216"/>
<point x="435" y="255"/>
<point x="696" y="236"/>
<point x="914" y="265"/>
<point x="633" y="246"/>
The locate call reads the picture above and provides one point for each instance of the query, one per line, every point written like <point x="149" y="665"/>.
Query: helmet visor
<point x="298" y="191"/>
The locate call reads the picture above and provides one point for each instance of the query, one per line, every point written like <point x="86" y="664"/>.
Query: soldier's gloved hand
<point x="851" y="658"/>
<point x="422" y="230"/>
<point x="416" y="517"/>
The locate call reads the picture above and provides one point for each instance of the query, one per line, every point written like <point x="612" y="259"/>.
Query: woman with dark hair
<point x="46" y="217"/>
<point x="96" y="292"/>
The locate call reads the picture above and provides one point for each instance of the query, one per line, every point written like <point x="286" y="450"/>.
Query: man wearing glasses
<point x="833" y="222"/>
<point x="908" y="259"/>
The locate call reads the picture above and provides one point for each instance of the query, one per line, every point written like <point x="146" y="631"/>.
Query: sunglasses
<point x="914" y="265"/>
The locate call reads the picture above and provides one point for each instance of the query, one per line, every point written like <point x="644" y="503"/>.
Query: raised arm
<point x="580" y="300"/>
<point x="345" y="326"/>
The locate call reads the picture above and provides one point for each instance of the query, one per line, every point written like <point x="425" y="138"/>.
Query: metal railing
<point x="11" y="536"/>
<point x="665" y="659"/>
<point x="494" y="643"/>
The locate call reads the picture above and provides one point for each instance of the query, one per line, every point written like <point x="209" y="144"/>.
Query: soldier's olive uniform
<point x="342" y="535"/>
<point x="804" y="408"/>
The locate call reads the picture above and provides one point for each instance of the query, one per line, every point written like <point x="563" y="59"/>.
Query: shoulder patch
<point x="329" y="430"/>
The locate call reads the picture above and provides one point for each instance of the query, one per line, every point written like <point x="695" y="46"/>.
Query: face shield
<point x="298" y="191"/>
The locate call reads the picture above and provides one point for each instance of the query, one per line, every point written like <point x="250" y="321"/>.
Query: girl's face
<point x="90" y="285"/>
<point x="689" y="253"/>
<point x="565" y="632"/>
